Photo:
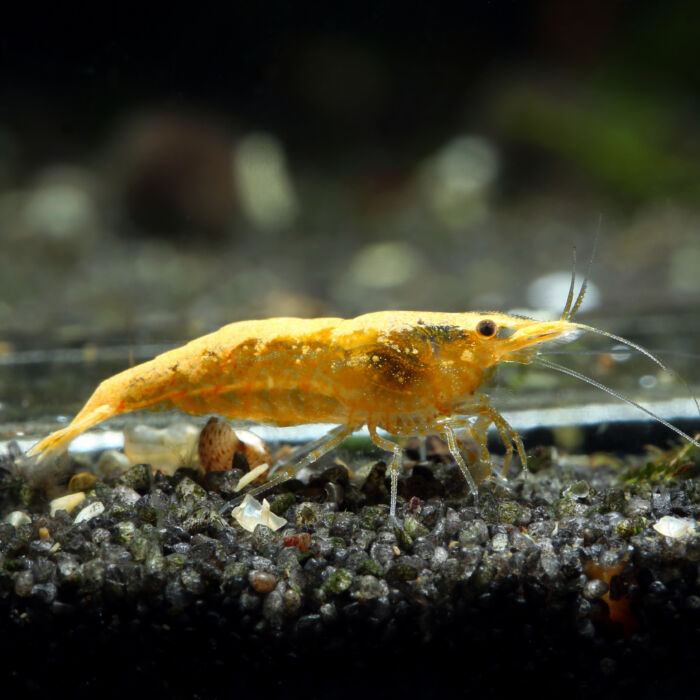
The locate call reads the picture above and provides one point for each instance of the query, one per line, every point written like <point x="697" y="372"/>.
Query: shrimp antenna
<point x="617" y="395"/>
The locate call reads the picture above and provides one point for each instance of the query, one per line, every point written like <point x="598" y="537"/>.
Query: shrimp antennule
<point x="569" y="311"/>
<point x="566" y="314"/>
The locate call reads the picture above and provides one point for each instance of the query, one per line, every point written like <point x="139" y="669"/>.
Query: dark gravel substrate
<point x="554" y="584"/>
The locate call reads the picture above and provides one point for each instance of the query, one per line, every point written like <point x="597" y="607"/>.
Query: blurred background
<point x="162" y="175"/>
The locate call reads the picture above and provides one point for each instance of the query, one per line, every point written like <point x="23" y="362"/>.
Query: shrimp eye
<point x="486" y="328"/>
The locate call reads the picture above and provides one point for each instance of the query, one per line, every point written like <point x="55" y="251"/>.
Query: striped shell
<point x="218" y="442"/>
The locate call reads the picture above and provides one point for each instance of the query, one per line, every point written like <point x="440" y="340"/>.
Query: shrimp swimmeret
<point x="406" y="372"/>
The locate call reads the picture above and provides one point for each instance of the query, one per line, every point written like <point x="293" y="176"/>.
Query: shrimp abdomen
<point x="217" y="373"/>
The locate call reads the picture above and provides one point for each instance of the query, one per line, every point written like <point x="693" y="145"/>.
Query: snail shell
<point x="218" y="442"/>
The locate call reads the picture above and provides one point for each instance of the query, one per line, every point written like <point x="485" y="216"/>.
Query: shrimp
<point x="404" y="372"/>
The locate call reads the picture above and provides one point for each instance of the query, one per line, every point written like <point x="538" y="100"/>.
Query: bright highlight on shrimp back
<point x="406" y="372"/>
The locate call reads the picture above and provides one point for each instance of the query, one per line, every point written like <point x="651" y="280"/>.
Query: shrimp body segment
<point x="406" y="372"/>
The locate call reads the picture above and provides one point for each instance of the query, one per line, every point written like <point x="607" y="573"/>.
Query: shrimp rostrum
<point x="403" y="372"/>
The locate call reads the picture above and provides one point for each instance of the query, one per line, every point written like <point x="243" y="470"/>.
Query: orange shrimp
<point x="406" y="372"/>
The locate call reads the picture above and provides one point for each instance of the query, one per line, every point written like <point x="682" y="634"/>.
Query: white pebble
<point x="17" y="518"/>
<point x="89" y="512"/>
<point x="252" y="513"/>
<point x="255" y="441"/>
<point x="439" y="556"/>
<point x="252" y="475"/>
<point x="67" y="503"/>
<point x="671" y="526"/>
<point x="499" y="542"/>
<point x="126" y="495"/>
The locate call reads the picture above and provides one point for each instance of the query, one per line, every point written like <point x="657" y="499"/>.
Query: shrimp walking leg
<point x="449" y="434"/>
<point x="422" y="448"/>
<point x="485" y="416"/>
<point x="506" y="433"/>
<point x="317" y="449"/>
<point x="395" y="468"/>
<point x="509" y="437"/>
